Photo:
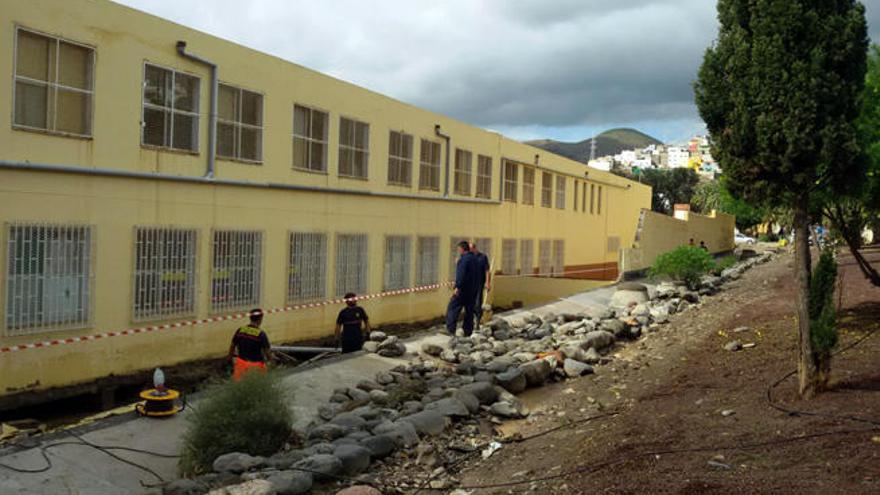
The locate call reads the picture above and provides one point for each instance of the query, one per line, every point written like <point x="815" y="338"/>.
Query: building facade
<point x="122" y="210"/>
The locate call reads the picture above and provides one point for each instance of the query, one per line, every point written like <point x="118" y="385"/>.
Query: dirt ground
<point x="678" y="389"/>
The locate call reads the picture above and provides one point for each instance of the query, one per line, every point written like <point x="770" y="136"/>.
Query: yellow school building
<point x="151" y="174"/>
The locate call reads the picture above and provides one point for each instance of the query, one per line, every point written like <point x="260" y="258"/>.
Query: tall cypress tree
<point x="779" y="94"/>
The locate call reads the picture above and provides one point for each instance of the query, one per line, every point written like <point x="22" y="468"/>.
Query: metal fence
<point x="49" y="277"/>
<point x="236" y="274"/>
<point x="164" y="272"/>
<point x="307" y="266"/>
<point x="351" y="264"/>
<point x="398" y="259"/>
<point x="428" y="249"/>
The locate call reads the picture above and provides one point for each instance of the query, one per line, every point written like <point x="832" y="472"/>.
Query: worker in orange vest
<point x="250" y="349"/>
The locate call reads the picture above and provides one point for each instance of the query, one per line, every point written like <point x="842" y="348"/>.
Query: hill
<point x="610" y="142"/>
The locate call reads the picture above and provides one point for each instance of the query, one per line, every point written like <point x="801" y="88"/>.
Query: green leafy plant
<point x="249" y="416"/>
<point x="723" y="264"/>
<point x="686" y="264"/>
<point x="823" y="317"/>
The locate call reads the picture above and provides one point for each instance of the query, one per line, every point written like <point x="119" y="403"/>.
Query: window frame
<point x="338" y="290"/>
<point x="321" y="289"/>
<point x="509" y="256"/>
<point x="404" y="162"/>
<point x="560" y="191"/>
<point x="510" y="185"/>
<point x="523" y="259"/>
<point x="353" y="149"/>
<point x="158" y="315"/>
<point x="528" y="199"/>
<point x="546" y="189"/>
<point x="463" y="175"/>
<point x="196" y="115"/>
<point x="93" y="59"/>
<point x="433" y="167"/>
<point x="483" y="180"/>
<point x="239" y="125"/>
<point x="404" y="266"/>
<point x="256" y="283"/>
<point x="325" y="158"/>
<point x="420" y="261"/>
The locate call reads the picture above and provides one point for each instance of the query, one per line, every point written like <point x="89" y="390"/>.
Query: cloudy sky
<point x="560" y="69"/>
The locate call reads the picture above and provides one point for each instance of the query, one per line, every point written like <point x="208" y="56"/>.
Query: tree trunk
<point x="807" y="363"/>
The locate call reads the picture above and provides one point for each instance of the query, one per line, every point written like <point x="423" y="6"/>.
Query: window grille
<point x="528" y="186"/>
<point x="484" y="176"/>
<point x="429" y="167"/>
<point x="462" y="172"/>
<point x="237" y="269"/>
<point x="453" y="258"/>
<point x="354" y="148"/>
<point x="560" y="192"/>
<point x="428" y="260"/>
<point x="239" y="124"/>
<point x="171" y="109"/>
<point x="49" y="277"/>
<point x="545" y="261"/>
<point x="164" y="272"/>
<point x="546" y="189"/>
<point x="397" y="262"/>
<point x="400" y="159"/>
<point x="508" y="256"/>
<point x="351" y="264"/>
<point x="527" y="256"/>
<point x="510" y="181"/>
<point x="559" y="258"/>
<point x="307" y="266"/>
<point x="54" y="84"/>
<point x="310" y="139"/>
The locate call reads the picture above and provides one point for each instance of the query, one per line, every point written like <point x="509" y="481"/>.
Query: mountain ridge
<point x="610" y="142"/>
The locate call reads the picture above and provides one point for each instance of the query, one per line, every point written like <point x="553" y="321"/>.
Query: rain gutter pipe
<point x="212" y="115"/>
<point x="448" y="151"/>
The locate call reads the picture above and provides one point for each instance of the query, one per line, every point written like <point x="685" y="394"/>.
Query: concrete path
<point x="78" y="469"/>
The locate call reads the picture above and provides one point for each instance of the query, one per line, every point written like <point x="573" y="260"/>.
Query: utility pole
<point x="592" y="148"/>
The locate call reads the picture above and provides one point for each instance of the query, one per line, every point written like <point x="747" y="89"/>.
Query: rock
<point x="236" y="462"/>
<point x="598" y="339"/>
<point x="349" y="420"/>
<point x="612" y="326"/>
<point x="183" y="487"/>
<point x="393" y="350"/>
<point x="431" y="349"/>
<point x="524" y="357"/>
<point x="403" y="433"/>
<point x="319" y="448"/>
<point x="377" y="336"/>
<point x="322" y="466"/>
<point x="629" y="293"/>
<point x="427" y="422"/>
<point x="484" y="392"/>
<point x="591" y="356"/>
<point x="691" y="297"/>
<point x="733" y="346"/>
<point x="251" y="487"/>
<point x="576" y="368"/>
<point x="359" y="490"/>
<point x="355" y="458"/>
<point x="536" y="372"/>
<point x="512" y="380"/>
<point x="291" y="482"/>
<point x="449" y="356"/>
<point x="449" y="407"/>
<point x="740" y="329"/>
<point x="384" y="379"/>
<point x="499" y="365"/>
<point x="506" y="409"/>
<point x="328" y="432"/>
<point x="284" y="460"/>
<point x="728" y="412"/>
<point x="380" y="446"/>
<point x="371" y="346"/>
<point x="368" y="385"/>
<point x="379" y="396"/>
<point x="641" y="310"/>
<point x="411" y="407"/>
<point x="469" y="400"/>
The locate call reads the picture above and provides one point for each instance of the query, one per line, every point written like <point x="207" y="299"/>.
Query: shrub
<point x="249" y="416"/>
<point x="723" y="264"/>
<point x="823" y="318"/>
<point x="768" y="238"/>
<point x="686" y="263"/>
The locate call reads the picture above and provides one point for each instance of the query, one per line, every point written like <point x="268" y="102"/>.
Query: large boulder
<point x="328" y="432"/>
<point x="355" y="458"/>
<point x="449" y="407"/>
<point x="509" y="409"/>
<point x="612" y="326"/>
<point x="250" y="487"/>
<point x="380" y="446"/>
<point x="236" y="462"/>
<point x="536" y="372"/>
<point x="291" y="482"/>
<point x="512" y="380"/>
<point x="403" y="433"/>
<point x="349" y="420"/>
<point x="629" y="293"/>
<point x="576" y="368"/>
<point x="322" y="466"/>
<point x="431" y="349"/>
<point x="469" y="400"/>
<point x="484" y="392"/>
<point x="598" y="339"/>
<point x="427" y="422"/>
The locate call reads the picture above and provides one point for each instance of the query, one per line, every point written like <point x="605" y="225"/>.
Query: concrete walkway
<point x="78" y="469"/>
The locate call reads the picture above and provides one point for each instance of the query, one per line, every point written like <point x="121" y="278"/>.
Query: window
<point x="237" y="270"/>
<point x="584" y="198"/>
<point x="351" y="264"/>
<point x="462" y="172"/>
<point x="527" y="256"/>
<point x="558" y="258"/>
<point x="484" y="244"/>
<point x="484" y="176"/>
<point x="54" y="84"/>
<point x="354" y="148"/>
<point x="400" y="159"/>
<point x="528" y="186"/>
<point x="164" y="272"/>
<point x="545" y="261"/>
<point x="453" y="258"/>
<point x="429" y="167"/>
<point x="599" y="201"/>
<point x="577" y="187"/>
<point x="511" y="172"/>
<point x="307" y="266"/>
<point x="171" y="109"/>
<point x="428" y="260"/>
<point x="49" y="278"/>
<point x="508" y="256"/>
<point x="239" y="124"/>
<point x="546" y="189"/>
<point x="310" y="139"/>
<point x="397" y="262"/>
<point x="560" y="192"/>
<point x="592" y="198"/>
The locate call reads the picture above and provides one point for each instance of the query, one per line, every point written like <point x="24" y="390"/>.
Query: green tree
<point x="668" y="186"/>
<point x="713" y="195"/>
<point x="779" y="93"/>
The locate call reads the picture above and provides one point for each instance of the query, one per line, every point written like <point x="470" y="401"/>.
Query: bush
<point x="723" y="264"/>
<point x="249" y="416"/>
<point x="686" y="264"/>
<point x="768" y="238"/>
<point x="823" y="317"/>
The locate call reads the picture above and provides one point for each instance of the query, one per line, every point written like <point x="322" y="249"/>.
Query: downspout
<point x="448" y="151"/>
<point x="212" y="115"/>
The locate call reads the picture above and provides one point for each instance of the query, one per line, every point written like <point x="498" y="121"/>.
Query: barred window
<point x="307" y="266"/>
<point x="545" y="260"/>
<point x="49" y="278"/>
<point x="54" y="84"/>
<point x="400" y="159"/>
<point x="239" y="124"/>
<point x="546" y="189"/>
<point x="508" y="256"/>
<point x="164" y="272"/>
<point x="237" y="269"/>
<point x="171" y="109"/>
<point x="484" y="176"/>
<point x="560" y="192"/>
<point x="354" y="148"/>
<point x="429" y="165"/>
<point x="352" y="264"/>
<point x="510" y="181"/>
<point x="397" y="262"/>
<point x="528" y="196"/>
<point x="453" y="258"/>
<point x="559" y="258"/>
<point x="527" y="256"/>
<point x="310" y="139"/>
<point x="428" y="260"/>
<point x="462" y="172"/>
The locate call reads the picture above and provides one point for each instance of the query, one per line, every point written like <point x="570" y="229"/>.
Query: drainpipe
<point x="448" y="151"/>
<point x="212" y="115"/>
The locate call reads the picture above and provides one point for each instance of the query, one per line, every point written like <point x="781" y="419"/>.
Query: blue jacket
<point x="466" y="274"/>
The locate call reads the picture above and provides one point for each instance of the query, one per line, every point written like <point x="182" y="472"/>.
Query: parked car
<point x="740" y="238"/>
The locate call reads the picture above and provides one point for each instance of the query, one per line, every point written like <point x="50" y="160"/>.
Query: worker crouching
<point x="250" y="349"/>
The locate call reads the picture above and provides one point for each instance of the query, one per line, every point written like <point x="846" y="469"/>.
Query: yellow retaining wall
<point x="538" y="290"/>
